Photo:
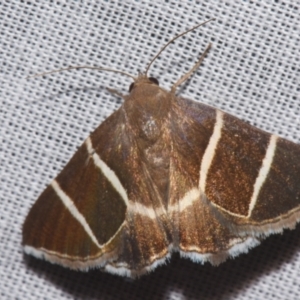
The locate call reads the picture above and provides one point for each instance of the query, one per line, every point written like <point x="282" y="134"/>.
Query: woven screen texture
<point x="252" y="72"/>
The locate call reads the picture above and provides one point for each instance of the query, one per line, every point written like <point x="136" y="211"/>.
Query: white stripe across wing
<point x="132" y="206"/>
<point x="107" y="172"/>
<point x="188" y="199"/>
<point x="210" y="150"/>
<point x="69" y="204"/>
<point x="263" y="172"/>
<point x="138" y="208"/>
<point x="227" y="211"/>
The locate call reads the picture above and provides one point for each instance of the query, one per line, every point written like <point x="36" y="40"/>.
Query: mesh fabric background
<point x="252" y="72"/>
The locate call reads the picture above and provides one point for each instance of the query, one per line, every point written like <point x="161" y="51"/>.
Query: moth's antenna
<point x="172" y="40"/>
<point x="81" y="67"/>
<point x="188" y="74"/>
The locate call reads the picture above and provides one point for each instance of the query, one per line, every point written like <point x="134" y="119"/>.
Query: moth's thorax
<point x="147" y="109"/>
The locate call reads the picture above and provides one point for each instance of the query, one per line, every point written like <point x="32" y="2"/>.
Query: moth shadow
<point x="180" y="278"/>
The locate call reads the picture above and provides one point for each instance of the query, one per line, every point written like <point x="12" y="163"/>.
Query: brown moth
<point x="163" y="174"/>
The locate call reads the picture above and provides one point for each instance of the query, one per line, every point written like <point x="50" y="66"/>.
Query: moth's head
<point x="143" y="80"/>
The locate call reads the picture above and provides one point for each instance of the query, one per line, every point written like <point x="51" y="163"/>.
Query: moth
<point x="165" y="174"/>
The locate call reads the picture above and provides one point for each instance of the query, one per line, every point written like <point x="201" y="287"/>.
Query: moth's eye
<point x="131" y="87"/>
<point x="154" y="80"/>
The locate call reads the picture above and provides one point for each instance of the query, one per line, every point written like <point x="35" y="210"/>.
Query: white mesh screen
<point x="252" y="71"/>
